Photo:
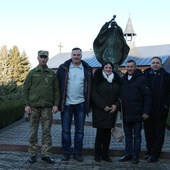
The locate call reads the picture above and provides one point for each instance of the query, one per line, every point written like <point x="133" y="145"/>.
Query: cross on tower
<point x="60" y="46"/>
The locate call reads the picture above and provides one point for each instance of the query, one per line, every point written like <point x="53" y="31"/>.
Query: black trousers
<point x="102" y="142"/>
<point x="155" y="134"/>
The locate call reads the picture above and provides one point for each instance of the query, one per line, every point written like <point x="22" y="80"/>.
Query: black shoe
<point x="152" y="159"/>
<point x="65" y="157"/>
<point x="146" y="157"/>
<point x="107" y="159"/>
<point x="78" y="157"/>
<point x="97" y="158"/>
<point x="125" y="158"/>
<point x="48" y="159"/>
<point x="135" y="160"/>
<point x="32" y="159"/>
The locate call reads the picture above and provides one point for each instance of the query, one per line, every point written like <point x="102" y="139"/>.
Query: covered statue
<point x="110" y="44"/>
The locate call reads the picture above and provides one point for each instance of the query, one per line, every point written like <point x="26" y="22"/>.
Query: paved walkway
<point x="14" y="155"/>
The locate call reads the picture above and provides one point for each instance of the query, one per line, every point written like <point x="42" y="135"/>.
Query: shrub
<point x="11" y="104"/>
<point x="10" y="111"/>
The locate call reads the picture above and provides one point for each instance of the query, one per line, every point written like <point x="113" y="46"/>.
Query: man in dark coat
<point x="136" y="104"/>
<point x="159" y="83"/>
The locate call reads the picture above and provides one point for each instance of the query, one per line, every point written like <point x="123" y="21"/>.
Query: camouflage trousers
<point x="45" y="117"/>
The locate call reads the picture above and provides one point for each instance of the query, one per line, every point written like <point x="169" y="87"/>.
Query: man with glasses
<point x="41" y="95"/>
<point x="74" y="77"/>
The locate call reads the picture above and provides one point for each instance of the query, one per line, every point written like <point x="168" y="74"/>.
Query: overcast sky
<point x="35" y="25"/>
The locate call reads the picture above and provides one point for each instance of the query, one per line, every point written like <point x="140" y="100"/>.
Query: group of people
<point x="75" y="91"/>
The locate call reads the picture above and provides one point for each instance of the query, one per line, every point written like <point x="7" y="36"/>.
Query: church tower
<point x="130" y="34"/>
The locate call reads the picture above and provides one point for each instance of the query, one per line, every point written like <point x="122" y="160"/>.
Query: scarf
<point x="109" y="78"/>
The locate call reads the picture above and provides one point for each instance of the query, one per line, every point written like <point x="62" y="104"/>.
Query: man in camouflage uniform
<point x="41" y="95"/>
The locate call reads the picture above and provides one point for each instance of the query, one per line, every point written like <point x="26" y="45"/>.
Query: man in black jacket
<point x="136" y="104"/>
<point x="159" y="83"/>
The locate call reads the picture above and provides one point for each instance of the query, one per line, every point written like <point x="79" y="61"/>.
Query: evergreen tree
<point x="14" y="61"/>
<point x="20" y="65"/>
<point x="5" y="68"/>
<point x="24" y="67"/>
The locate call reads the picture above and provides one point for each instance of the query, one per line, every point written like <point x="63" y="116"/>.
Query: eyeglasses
<point x="76" y="55"/>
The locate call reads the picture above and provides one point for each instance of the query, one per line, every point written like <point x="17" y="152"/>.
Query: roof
<point x="143" y="55"/>
<point x="93" y="62"/>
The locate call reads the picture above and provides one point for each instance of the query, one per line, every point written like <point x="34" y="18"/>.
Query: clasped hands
<point x="145" y="116"/>
<point x="111" y="109"/>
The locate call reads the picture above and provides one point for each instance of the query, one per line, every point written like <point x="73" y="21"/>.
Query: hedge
<point x="10" y="111"/>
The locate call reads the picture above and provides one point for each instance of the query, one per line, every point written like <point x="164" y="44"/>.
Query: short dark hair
<point x="131" y="61"/>
<point x="156" y="57"/>
<point x="76" y="48"/>
<point x="107" y="62"/>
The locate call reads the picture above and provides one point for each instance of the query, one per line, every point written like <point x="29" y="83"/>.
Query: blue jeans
<point x="66" y="119"/>
<point x="132" y="137"/>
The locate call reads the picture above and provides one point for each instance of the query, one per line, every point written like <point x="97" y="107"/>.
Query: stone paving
<point x="14" y="155"/>
<point x="19" y="161"/>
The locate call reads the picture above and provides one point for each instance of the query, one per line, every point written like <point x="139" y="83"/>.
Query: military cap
<point x="43" y="53"/>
